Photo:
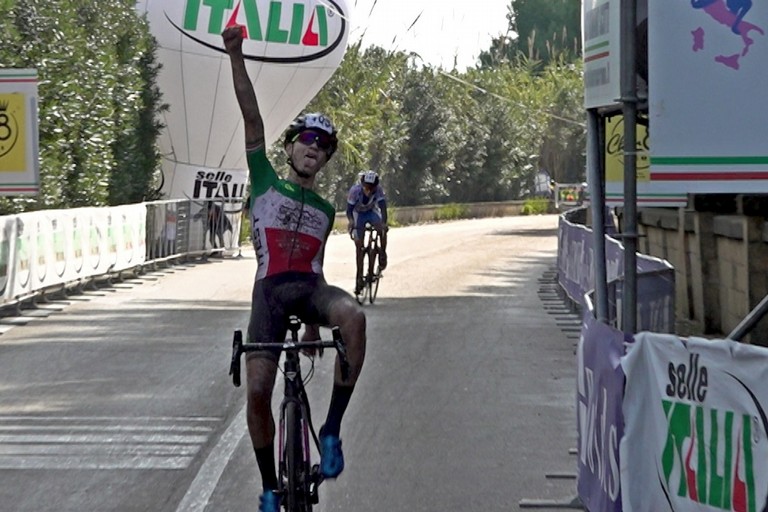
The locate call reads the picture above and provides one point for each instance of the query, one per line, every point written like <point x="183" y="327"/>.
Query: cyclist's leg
<point x="261" y="369"/>
<point x="380" y="229"/>
<point x="359" y="260"/>
<point x="335" y="307"/>
<point x="331" y="306"/>
<point x="360" y="220"/>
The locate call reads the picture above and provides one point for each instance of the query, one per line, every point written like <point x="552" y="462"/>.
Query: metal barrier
<point x="655" y="277"/>
<point x="183" y="227"/>
<point x="55" y="250"/>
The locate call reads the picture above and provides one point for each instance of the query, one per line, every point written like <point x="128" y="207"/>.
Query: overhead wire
<point x="456" y="78"/>
<point x="503" y="98"/>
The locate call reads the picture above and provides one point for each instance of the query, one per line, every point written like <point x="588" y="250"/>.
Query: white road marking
<point x="100" y="442"/>
<point x="105" y="428"/>
<point x="103" y="438"/>
<point x="93" y="462"/>
<point x="89" y="449"/>
<point x="201" y="489"/>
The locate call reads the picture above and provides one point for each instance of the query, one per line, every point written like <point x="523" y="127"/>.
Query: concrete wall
<point x="431" y="213"/>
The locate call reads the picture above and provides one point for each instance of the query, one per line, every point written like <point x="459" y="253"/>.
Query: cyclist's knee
<point x="349" y="316"/>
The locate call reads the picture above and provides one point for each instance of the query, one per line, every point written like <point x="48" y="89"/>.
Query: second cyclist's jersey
<point x="289" y="224"/>
<point x="362" y="203"/>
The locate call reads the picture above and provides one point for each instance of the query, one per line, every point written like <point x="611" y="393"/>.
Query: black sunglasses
<point x="309" y="137"/>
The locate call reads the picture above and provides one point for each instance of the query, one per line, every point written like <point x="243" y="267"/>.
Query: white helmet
<point x="369" y="178"/>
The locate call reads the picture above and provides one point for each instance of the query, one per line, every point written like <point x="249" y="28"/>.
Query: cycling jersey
<point x="289" y="224"/>
<point x="359" y="202"/>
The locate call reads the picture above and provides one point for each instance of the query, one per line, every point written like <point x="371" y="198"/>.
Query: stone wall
<point x="721" y="266"/>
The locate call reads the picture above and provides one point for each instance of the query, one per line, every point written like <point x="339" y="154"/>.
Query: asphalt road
<point x="118" y="399"/>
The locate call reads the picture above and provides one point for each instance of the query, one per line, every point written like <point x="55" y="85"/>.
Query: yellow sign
<point x="614" y="151"/>
<point x="13" y="140"/>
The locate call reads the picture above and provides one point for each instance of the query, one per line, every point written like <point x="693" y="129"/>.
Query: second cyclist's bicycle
<point x="371" y="269"/>
<point x="298" y="479"/>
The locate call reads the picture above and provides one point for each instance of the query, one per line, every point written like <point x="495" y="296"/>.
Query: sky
<point x="447" y="31"/>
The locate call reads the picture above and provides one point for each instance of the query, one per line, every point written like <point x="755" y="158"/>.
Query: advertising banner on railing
<point x="656" y="277"/>
<point x="696" y="430"/>
<point x="126" y="232"/>
<point x="7" y="236"/>
<point x="600" y="385"/>
<point x="54" y="247"/>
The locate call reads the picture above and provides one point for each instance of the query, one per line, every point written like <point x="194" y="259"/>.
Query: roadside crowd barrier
<point x="664" y="422"/>
<point x="51" y="250"/>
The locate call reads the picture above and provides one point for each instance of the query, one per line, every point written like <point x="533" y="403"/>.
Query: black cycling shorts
<point x="276" y="298"/>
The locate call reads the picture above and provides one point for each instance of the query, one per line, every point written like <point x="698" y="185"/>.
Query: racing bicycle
<point x="372" y="270"/>
<point x="298" y="478"/>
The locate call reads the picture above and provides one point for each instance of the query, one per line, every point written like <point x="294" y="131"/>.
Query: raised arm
<point x="246" y="96"/>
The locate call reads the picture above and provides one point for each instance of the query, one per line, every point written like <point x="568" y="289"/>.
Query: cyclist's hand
<point x="350" y="229"/>
<point x="311" y="333"/>
<point x="233" y="38"/>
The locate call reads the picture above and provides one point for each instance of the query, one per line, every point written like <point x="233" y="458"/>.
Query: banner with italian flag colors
<point x="707" y="72"/>
<point x="695" y="426"/>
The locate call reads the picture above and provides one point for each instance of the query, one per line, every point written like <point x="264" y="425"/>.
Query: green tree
<point x="539" y="30"/>
<point x="428" y="152"/>
<point x="363" y="100"/>
<point x="89" y="58"/>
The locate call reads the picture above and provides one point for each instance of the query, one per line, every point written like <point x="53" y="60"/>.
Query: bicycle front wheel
<point x="295" y="498"/>
<point x="365" y="291"/>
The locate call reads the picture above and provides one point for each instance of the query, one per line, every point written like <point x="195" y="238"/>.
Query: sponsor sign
<point x="707" y="84"/>
<point x="696" y="429"/>
<point x="19" y="163"/>
<point x="291" y="47"/>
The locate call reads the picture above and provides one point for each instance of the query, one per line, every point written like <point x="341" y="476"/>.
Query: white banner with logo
<point x="199" y="183"/>
<point x="54" y="247"/>
<point x="695" y="426"/>
<point x="291" y="49"/>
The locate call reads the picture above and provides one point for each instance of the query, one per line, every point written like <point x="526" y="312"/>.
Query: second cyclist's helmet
<point x="369" y="178"/>
<point x="313" y="121"/>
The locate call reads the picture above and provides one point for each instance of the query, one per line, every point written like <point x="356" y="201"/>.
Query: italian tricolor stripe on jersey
<point x="290" y="224"/>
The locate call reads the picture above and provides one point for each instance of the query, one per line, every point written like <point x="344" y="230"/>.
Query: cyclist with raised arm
<point x="367" y="203"/>
<point x="290" y="225"/>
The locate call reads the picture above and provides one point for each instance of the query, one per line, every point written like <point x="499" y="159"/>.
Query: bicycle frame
<point x="298" y="480"/>
<point x="371" y="246"/>
<point x="370" y="250"/>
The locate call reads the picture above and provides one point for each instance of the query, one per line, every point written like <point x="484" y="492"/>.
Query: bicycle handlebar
<point x="238" y="348"/>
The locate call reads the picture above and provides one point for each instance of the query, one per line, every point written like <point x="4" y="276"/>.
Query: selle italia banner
<point x="695" y="436"/>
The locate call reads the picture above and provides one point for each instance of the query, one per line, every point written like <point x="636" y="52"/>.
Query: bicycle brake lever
<point x="234" y="364"/>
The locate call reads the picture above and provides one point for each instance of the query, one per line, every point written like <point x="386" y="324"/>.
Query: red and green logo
<point x="301" y="30"/>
